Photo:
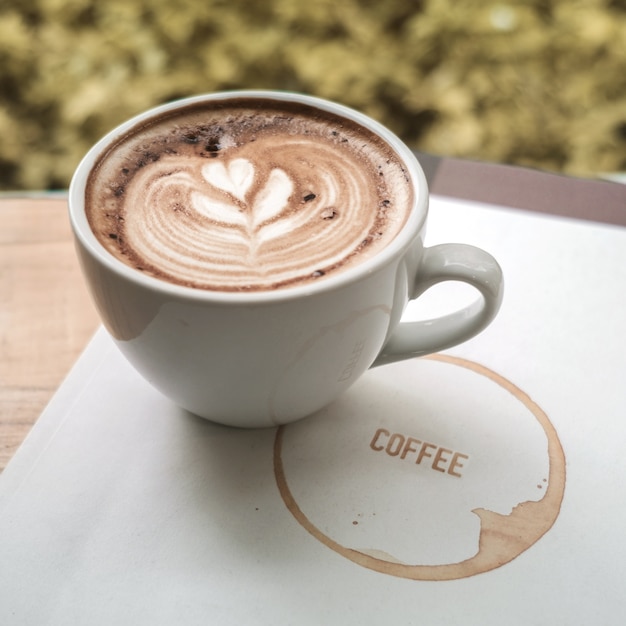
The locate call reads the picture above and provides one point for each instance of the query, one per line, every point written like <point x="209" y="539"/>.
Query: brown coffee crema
<point x="247" y="195"/>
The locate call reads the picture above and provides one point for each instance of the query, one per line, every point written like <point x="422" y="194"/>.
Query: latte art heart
<point x="266" y="207"/>
<point x="235" y="178"/>
<point x="268" y="203"/>
<point x="253" y="218"/>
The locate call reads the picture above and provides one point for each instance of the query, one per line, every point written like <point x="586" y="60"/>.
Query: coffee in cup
<point x="248" y="195"/>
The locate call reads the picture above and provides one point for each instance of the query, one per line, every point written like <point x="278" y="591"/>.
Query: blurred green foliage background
<point x="538" y="82"/>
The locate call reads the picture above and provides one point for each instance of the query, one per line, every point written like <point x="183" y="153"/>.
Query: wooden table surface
<point x="46" y="316"/>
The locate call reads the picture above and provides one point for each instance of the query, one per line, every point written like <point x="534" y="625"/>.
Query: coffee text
<point x="419" y="452"/>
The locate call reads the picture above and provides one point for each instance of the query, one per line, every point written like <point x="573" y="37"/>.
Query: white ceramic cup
<point x="272" y="357"/>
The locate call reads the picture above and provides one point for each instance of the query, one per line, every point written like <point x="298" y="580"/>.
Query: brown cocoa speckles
<point x="116" y="188"/>
<point x="308" y="197"/>
<point x="213" y="145"/>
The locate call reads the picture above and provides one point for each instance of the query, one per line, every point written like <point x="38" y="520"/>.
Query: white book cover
<point x="483" y="485"/>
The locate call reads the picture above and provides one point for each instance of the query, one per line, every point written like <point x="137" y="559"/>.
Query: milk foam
<point x="270" y="201"/>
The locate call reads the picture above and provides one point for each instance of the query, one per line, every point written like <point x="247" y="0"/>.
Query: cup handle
<point x="441" y="263"/>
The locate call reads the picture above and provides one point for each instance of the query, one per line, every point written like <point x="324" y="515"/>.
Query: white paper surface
<point x="123" y="509"/>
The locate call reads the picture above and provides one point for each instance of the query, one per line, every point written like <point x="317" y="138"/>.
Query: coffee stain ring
<point x="502" y="537"/>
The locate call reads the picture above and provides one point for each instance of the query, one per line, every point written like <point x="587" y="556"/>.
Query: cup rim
<point x="393" y="250"/>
